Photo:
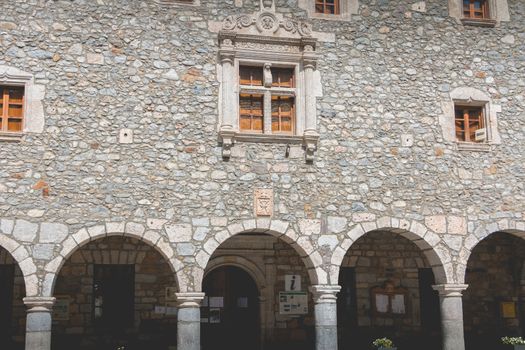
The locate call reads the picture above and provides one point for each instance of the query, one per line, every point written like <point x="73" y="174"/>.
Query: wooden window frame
<point x="464" y="109"/>
<point x="324" y="3"/>
<point x="4" y="113"/>
<point x="268" y="91"/>
<point x="471" y="12"/>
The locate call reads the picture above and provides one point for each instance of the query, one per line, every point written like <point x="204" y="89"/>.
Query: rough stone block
<point x="336" y="224"/>
<point x="179" y="232"/>
<point x="25" y="231"/>
<point x="309" y="226"/>
<point x="53" y="232"/>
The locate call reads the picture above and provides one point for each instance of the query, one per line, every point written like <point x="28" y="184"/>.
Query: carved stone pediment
<point x="268" y="23"/>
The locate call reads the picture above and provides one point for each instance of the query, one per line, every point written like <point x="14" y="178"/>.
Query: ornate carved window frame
<point x="499" y="12"/>
<point x="467" y="96"/>
<point x="261" y="38"/>
<point x="347" y="8"/>
<point x="33" y="108"/>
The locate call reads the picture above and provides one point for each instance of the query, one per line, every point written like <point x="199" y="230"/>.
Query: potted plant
<point x="384" y="344"/>
<point x="517" y="342"/>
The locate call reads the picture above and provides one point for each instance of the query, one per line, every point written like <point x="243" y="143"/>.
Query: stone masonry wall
<point x="382" y="160"/>
<point x="18" y="307"/>
<point x="494" y="274"/>
<point x="380" y="257"/>
<point x="152" y="276"/>
<point x="274" y="259"/>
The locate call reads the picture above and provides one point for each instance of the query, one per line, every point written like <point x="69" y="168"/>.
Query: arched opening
<point x="231" y="310"/>
<point x="263" y="281"/>
<point x="386" y="291"/>
<point x="12" y="308"/>
<point x="494" y="302"/>
<point x="115" y="292"/>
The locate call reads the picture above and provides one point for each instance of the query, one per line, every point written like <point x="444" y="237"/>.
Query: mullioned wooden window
<point x="11" y="108"/>
<point x="327" y="7"/>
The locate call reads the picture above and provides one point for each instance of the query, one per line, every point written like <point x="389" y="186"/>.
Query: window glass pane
<point x="14" y="125"/>
<point x="283" y="77"/>
<point x="15" y="111"/>
<point x="250" y="76"/>
<point x="251" y="112"/>
<point x="282" y="114"/>
<point x="16" y="95"/>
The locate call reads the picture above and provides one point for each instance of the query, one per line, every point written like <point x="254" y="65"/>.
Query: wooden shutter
<point x="283" y="114"/>
<point x="11" y="108"/>
<point x="251" y="113"/>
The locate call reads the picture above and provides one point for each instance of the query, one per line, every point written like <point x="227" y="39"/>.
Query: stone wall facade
<point x="131" y="146"/>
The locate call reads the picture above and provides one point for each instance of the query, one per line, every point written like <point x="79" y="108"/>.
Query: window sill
<point x="11" y="136"/>
<point x="329" y="17"/>
<point x="473" y="146"/>
<point x="485" y="23"/>
<point x="268" y="138"/>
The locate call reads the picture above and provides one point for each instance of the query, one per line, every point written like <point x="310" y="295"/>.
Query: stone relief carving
<point x="267" y="22"/>
<point x="263" y="202"/>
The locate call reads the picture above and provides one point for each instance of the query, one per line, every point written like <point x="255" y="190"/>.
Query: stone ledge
<point x="11" y="137"/>
<point x="484" y="23"/>
<point x="474" y="147"/>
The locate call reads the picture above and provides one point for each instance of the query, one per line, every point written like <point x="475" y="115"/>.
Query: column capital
<point x="324" y="294"/>
<point x="189" y="299"/>
<point x="450" y="290"/>
<point x="39" y="304"/>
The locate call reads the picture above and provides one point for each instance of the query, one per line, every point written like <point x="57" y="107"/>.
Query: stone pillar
<point x="310" y="111"/>
<point x="451" y="315"/>
<point x="325" y="309"/>
<point x="38" y="324"/>
<point x="229" y="110"/>
<point x="189" y="320"/>
<point x="310" y="107"/>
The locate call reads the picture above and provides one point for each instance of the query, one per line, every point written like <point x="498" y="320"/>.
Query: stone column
<point x="311" y="136"/>
<point x="325" y="309"/>
<point x="310" y="111"/>
<point x="38" y="324"/>
<point x="189" y="320"/>
<point x="227" y="57"/>
<point x="451" y="315"/>
<point x="228" y="107"/>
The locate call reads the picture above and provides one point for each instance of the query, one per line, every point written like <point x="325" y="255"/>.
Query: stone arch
<point x="516" y="228"/>
<point x="23" y="259"/>
<point x="240" y="262"/>
<point x="125" y="229"/>
<point x="425" y="239"/>
<point x="276" y="228"/>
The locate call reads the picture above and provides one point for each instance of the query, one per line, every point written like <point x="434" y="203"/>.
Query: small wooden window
<point x="11" y="108"/>
<point x="283" y="77"/>
<point x="477" y="9"/>
<point x="251" y="113"/>
<point x="468" y="120"/>
<point x="327" y="6"/>
<point x="283" y="114"/>
<point x="252" y="76"/>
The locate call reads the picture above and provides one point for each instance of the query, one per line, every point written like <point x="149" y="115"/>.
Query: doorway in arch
<point x="230" y="313"/>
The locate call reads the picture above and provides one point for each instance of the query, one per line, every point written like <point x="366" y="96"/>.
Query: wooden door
<point x="114" y="293"/>
<point x="231" y="316"/>
<point x="7" y="273"/>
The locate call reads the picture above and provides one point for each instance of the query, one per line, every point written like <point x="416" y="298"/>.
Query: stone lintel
<point x="450" y="290"/>
<point x="325" y="293"/>
<point x="39" y="304"/>
<point x="189" y="299"/>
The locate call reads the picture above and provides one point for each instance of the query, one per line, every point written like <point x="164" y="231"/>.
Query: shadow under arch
<point x="240" y="262"/>
<point x="288" y="237"/>
<point x="24" y="261"/>
<point x="439" y="260"/>
<point x="472" y="244"/>
<point x="152" y="239"/>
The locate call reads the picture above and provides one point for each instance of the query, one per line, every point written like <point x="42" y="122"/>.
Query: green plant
<point x="513" y="341"/>
<point x="383" y="343"/>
